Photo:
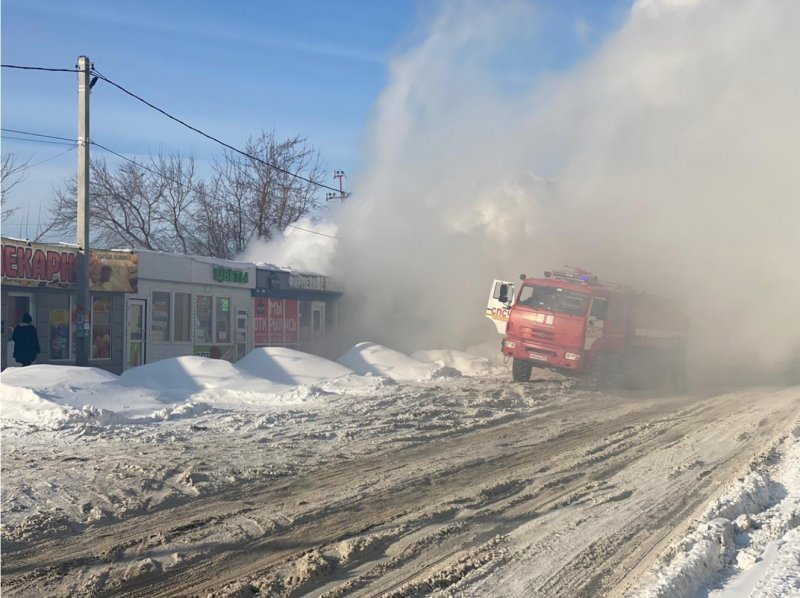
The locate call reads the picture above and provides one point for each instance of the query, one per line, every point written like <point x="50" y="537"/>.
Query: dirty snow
<point x="747" y="542"/>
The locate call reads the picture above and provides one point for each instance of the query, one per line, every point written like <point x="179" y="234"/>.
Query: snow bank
<point x="55" y="395"/>
<point x="287" y="366"/>
<point x="23" y="404"/>
<point x="44" y="377"/>
<point x="377" y="360"/>
<point x="747" y="541"/>
<point x="189" y="373"/>
<point x="465" y="363"/>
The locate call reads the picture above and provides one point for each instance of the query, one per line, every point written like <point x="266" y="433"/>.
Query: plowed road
<point x="568" y="493"/>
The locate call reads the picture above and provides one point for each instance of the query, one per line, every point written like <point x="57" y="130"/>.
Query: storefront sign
<point x="116" y="271"/>
<point x="41" y="265"/>
<point x="33" y="265"/>
<point x="230" y="275"/>
<point x="312" y="283"/>
<point x="275" y="321"/>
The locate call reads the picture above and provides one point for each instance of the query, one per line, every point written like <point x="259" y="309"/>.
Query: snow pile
<point x="52" y="396"/>
<point x="191" y="373"/>
<point x="465" y="363"/>
<point x="287" y="366"/>
<point x="747" y="541"/>
<point x="46" y="377"/>
<point x="376" y="360"/>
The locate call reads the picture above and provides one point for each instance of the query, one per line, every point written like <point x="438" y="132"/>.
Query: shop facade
<point x="39" y="279"/>
<point x="188" y="305"/>
<point x="146" y="305"/>
<point x="294" y="309"/>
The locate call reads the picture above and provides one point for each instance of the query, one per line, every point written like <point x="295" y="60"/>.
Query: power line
<point x="37" y="140"/>
<point x="40" y="68"/>
<point x="39" y="135"/>
<point x="190" y="187"/>
<point x="69" y="149"/>
<point x="211" y="137"/>
<point x="313" y="232"/>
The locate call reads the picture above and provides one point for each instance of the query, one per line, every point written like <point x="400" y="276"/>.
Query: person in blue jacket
<point x="26" y="341"/>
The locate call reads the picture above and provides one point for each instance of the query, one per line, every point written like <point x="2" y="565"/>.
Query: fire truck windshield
<point x="555" y="299"/>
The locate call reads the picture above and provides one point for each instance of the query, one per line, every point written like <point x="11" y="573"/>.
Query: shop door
<point x="241" y="333"/>
<point x="18" y="304"/>
<point x="317" y="321"/>
<point x="137" y="328"/>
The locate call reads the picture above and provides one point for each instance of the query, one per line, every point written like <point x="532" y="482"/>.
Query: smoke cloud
<point x="306" y="246"/>
<point x="668" y="160"/>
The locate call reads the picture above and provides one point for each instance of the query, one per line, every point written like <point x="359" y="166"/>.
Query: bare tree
<point x="139" y="205"/>
<point x="13" y="173"/>
<point x="162" y="203"/>
<point x="254" y="197"/>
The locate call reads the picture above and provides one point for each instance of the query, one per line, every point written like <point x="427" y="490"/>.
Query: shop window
<point x="223" y="320"/>
<point x="101" y="327"/>
<point x="159" y="320"/>
<point x="203" y="320"/>
<point x="60" y="345"/>
<point x="183" y="310"/>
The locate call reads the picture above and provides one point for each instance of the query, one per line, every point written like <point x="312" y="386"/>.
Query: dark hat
<point x="27" y="318"/>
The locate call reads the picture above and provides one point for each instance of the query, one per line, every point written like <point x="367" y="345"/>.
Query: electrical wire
<point x="35" y="164"/>
<point x="211" y="137"/>
<point x="37" y="140"/>
<point x="185" y="186"/>
<point x="40" y="68"/>
<point x="39" y="135"/>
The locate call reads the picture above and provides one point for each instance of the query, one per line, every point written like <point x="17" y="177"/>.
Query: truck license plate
<point x="538" y="356"/>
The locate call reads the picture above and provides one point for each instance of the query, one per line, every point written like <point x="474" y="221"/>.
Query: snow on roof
<point x="288" y="269"/>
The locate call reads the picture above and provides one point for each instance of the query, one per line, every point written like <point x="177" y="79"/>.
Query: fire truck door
<point x="596" y="322"/>
<point x="501" y="297"/>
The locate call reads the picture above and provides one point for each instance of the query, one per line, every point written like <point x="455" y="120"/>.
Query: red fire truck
<point x="572" y="322"/>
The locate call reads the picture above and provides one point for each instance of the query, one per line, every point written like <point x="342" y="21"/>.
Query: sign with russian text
<point x="53" y="266"/>
<point x="222" y="274"/>
<point x="309" y="282"/>
<point x="275" y="321"/>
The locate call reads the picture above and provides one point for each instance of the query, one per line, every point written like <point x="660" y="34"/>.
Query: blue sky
<point x="308" y="67"/>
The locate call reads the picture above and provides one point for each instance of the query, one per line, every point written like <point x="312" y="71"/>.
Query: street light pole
<point x="82" y="306"/>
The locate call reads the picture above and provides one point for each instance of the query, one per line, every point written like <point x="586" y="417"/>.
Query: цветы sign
<point x="222" y="274"/>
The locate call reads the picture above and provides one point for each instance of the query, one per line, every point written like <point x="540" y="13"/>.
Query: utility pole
<point x="83" y="309"/>
<point x="338" y="174"/>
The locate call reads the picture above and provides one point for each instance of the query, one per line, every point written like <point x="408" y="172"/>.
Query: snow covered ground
<point x="85" y="451"/>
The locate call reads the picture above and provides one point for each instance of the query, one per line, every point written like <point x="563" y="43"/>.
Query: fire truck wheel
<point x="521" y="370"/>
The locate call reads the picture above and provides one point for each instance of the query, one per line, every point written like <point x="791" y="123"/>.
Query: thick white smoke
<point x="671" y="155"/>
<point x="306" y="246"/>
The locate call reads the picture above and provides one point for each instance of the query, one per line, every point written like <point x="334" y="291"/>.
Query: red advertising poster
<point x="261" y="321"/>
<point x="275" y="321"/>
